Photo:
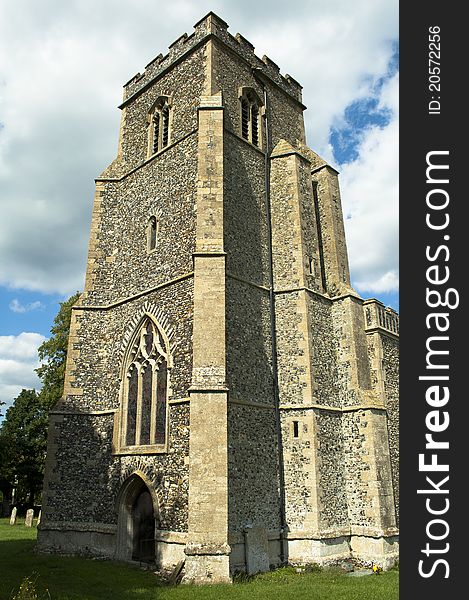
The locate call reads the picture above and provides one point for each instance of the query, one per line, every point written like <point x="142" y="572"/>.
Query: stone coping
<point x="341" y="409"/>
<point x="145" y="292"/>
<point x="234" y="401"/>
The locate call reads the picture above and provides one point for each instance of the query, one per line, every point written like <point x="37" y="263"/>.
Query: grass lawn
<point x="64" y="578"/>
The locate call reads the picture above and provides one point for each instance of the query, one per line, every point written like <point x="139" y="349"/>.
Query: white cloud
<point x="16" y="306"/>
<point x="62" y="67"/>
<point x="18" y="359"/>
<point x="337" y="50"/>
<point x="370" y="201"/>
<point x="24" y="345"/>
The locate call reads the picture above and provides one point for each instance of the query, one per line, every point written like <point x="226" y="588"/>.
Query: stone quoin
<point x="229" y="399"/>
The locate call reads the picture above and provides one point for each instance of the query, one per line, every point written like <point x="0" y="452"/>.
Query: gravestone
<point x="29" y="517"/>
<point x="257" y="550"/>
<point x="39" y="518"/>
<point x="13" y="516"/>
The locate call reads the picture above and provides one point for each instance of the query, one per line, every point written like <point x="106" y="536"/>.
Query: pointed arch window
<point x="159" y="125"/>
<point x="144" y="405"/>
<point x="251" y="110"/>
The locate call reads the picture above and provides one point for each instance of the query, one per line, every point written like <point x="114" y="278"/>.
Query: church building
<point x="229" y="399"/>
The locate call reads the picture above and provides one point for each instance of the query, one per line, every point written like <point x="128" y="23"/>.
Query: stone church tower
<point x="229" y="399"/>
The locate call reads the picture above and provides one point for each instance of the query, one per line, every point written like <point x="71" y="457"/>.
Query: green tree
<point x="5" y="475"/>
<point x="23" y="446"/>
<point x="54" y="352"/>
<point x="23" y="433"/>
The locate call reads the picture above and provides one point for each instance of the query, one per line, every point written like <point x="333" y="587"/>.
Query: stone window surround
<point x="153" y="228"/>
<point x="249" y="95"/>
<point x="124" y="504"/>
<point x="160" y="103"/>
<point x="121" y="416"/>
<point x="296" y="428"/>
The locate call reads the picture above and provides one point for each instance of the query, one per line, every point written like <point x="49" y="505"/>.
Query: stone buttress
<point x="335" y="426"/>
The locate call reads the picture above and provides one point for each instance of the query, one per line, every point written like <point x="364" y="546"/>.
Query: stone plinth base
<point x="383" y="551"/>
<point x="79" y="543"/>
<point x="321" y="551"/>
<point x="167" y="555"/>
<point x="83" y="540"/>
<point x="207" y="568"/>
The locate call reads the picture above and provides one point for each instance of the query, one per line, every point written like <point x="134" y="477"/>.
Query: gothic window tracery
<point x="145" y="390"/>
<point x="250" y="116"/>
<point x="159" y="125"/>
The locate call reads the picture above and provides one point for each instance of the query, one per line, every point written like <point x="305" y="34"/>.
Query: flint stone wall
<point x="101" y="474"/>
<point x="121" y="265"/>
<point x="332" y="507"/>
<point x="100" y="344"/>
<point x="184" y="83"/>
<point x="253" y="468"/>
<point x="285" y="115"/>
<point x="391" y="385"/>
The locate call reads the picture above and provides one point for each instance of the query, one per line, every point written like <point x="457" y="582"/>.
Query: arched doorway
<point x="137" y="518"/>
<point x="143" y="526"/>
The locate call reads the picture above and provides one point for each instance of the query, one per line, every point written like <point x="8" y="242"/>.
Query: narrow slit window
<point x="152" y="234"/>
<point x="295" y="429"/>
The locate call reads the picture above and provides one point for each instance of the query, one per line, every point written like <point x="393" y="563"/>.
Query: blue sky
<point x="62" y="67"/>
<point x="361" y="115"/>
<point x="23" y="310"/>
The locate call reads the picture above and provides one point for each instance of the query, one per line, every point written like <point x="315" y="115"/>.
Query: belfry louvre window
<point x="251" y="107"/>
<point x="159" y="125"/>
<point x="145" y="391"/>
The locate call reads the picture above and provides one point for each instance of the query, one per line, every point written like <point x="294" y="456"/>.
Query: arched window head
<point x="152" y="233"/>
<point x="143" y="415"/>
<point x="251" y="111"/>
<point x="159" y="125"/>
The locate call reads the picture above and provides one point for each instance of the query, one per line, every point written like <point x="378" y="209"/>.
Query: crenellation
<point x="294" y="83"/>
<point x="155" y="61"/>
<point x="176" y="45"/>
<point x="133" y="79"/>
<point x="210" y="26"/>
<point x="244" y="42"/>
<point x="212" y="22"/>
<point x="270" y="64"/>
<point x="379" y="316"/>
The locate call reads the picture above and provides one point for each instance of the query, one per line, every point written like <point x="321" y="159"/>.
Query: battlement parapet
<point x="379" y="316"/>
<point x="211" y="25"/>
